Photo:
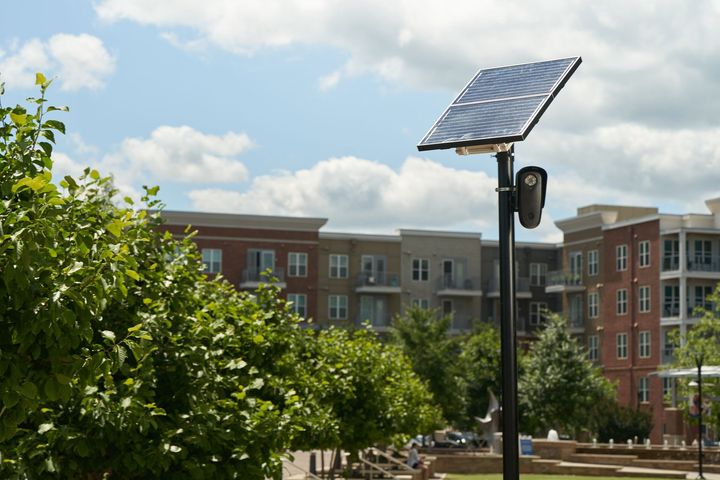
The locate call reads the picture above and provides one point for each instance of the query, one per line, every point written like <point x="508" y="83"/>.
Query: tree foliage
<point x="120" y="360"/>
<point x="434" y="354"/>
<point x="559" y="385"/>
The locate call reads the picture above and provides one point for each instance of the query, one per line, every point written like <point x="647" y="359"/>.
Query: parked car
<point x="449" y="439"/>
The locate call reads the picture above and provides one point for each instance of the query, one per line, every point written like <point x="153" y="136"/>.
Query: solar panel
<point x="500" y="105"/>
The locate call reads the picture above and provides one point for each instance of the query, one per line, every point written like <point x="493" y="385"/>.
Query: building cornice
<point x="632" y="221"/>
<point x="232" y="220"/>
<point x="586" y="221"/>
<point x="369" y="237"/>
<point x="439" y="233"/>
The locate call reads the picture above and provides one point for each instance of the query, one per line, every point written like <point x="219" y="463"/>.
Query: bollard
<point x="630" y="444"/>
<point x="665" y="444"/>
<point x="612" y="443"/>
<point x="313" y="463"/>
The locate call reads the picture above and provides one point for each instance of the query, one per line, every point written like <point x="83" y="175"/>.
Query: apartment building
<point x="630" y="276"/>
<point x="359" y="280"/>
<point x="250" y="249"/>
<point x="533" y="263"/>
<point x="442" y="271"/>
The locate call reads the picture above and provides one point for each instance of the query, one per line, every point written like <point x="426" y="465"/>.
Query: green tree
<point x="118" y="359"/>
<point x="480" y="361"/>
<point x="369" y="390"/>
<point x="702" y="340"/>
<point x="559" y="385"/>
<point x="435" y="358"/>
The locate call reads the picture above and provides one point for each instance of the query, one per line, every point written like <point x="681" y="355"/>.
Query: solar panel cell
<point x="515" y="81"/>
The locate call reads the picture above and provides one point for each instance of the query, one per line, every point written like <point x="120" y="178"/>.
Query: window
<point x="447" y="307"/>
<point x="668" y="346"/>
<point x="703" y="255"/>
<point x="671" y="301"/>
<point x="643" y="390"/>
<point x="667" y="389"/>
<point x="645" y="344"/>
<point x="621" y="258"/>
<point x="423" y="303"/>
<point x="374" y="310"/>
<point x="538" y="273"/>
<point x="645" y="253"/>
<point x="593" y="348"/>
<point x="593" y="305"/>
<point x="645" y="299"/>
<point x="338" y="266"/>
<point x="576" y="311"/>
<point x="258" y="262"/>
<point x="373" y="268"/>
<point x="593" y="262"/>
<point x="621" y="297"/>
<point x="701" y="296"/>
<point x="621" y="345"/>
<point x="212" y="260"/>
<point x="298" y="303"/>
<point x="575" y="267"/>
<point x="536" y="310"/>
<point x="420" y="269"/>
<point x="671" y="255"/>
<point x="338" y="307"/>
<point x="297" y="264"/>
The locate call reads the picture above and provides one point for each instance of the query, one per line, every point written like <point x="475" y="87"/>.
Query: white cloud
<point x="357" y="193"/>
<point x="633" y="68"/>
<point x="186" y="155"/>
<point x="78" y="61"/>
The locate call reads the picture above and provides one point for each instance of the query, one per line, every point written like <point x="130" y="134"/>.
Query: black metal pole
<point x="506" y="217"/>
<point x="699" y="361"/>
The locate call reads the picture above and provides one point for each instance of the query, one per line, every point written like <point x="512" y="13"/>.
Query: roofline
<point x="633" y="221"/>
<point x="370" y="237"/>
<point x="543" y="245"/>
<point x="234" y="220"/>
<point x="439" y="233"/>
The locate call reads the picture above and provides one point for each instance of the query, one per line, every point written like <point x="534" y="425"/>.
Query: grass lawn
<point x="498" y="476"/>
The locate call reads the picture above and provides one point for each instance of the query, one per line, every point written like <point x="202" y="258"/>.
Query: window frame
<point x="420" y="269"/>
<point x="644" y="390"/>
<point x="298" y="305"/>
<point x="336" y="307"/>
<point x="535" y="311"/>
<point x="593" y="348"/>
<point x="621" y="254"/>
<point x="644" y="253"/>
<point x="208" y="265"/>
<point x="337" y="257"/>
<point x="621" y="347"/>
<point x="538" y="274"/>
<point x="593" y="306"/>
<point x="593" y="262"/>
<point x="621" y="301"/>
<point x="299" y="262"/>
<point x="644" y="296"/>
<point x="644" y="344"/>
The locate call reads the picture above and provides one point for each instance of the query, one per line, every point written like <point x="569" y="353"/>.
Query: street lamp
<point x="699" y="362"/>
<point x="497" y="108"/>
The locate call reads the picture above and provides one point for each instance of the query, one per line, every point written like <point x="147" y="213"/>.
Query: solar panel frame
<point x="521" y="133"/>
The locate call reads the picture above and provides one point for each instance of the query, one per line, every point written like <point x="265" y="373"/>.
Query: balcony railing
<point x="576" y="320"/>
<point x="563" y="278"/>
<point x="694" y="263"/>
<point x="671" y="311"/>
<point x="266" y="275"/>
<point x="378" y="279"/>
<point x="522" y="285"/>
<point x="456" y="282"/>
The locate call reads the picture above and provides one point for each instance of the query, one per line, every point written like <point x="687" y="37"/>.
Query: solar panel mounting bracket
<point x="479" y="149"/>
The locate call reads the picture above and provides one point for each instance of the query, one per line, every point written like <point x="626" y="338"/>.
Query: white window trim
<point x="644" y="393"/>
<point x="338" y="266"/>
<point x="644" y="345"/>
<point x="618" y="336"/>
<point x="337" y="307"/>
<point x="595" y="263"/>
<point x="648" y="307"/>
<point x="422" y="262"/>
<point x="540" y="307"/>
<point x="645" y="255"/>
<point x="618" y="302"/>
<point x="593" y="339"/>
<point x="298" y="256"/>
<point x="621" y="261"/>
<point x="212" y="252"/>
<point x="596" y="296"/>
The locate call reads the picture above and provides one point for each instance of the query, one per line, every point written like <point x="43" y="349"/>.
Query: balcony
<point x="696" y="266"/>
<point x="522" y="287"/>
<point x="253" y="277"/>
<point x="564" y="282"/>
<point x="449" y="285"/>
<point x="378" y="282"/>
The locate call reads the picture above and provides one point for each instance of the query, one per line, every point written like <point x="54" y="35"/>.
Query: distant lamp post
<point x="699" y="363"/>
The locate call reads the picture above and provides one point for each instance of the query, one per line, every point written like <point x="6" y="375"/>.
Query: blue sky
<point x="314" y="107"/>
